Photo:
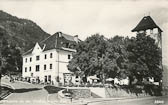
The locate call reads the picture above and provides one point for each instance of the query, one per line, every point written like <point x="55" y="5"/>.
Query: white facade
<point x="155" y="34"/>
<point x="46" y="65"/>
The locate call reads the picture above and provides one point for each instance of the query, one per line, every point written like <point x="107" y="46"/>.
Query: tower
<point x="149" y="27"/>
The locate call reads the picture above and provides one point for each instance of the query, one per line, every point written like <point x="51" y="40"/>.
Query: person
<point x="11" y="79"/>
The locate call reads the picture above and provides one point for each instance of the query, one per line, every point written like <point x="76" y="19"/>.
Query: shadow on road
<point x="5" y="91"/>
<point x="52" y="89"/>
<point x="22" y="90"/>
<point x="150" y="89"/>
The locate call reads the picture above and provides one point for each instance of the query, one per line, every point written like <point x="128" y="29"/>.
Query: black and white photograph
<point x="83" y="52"/>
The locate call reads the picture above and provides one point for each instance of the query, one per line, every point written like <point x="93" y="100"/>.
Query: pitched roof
<point x="146" y="23"/>
<point x="68" y="37"/>
<point x="28" y="52"/>
<point x="54" y="42"/>
<point x="49" y="43"/>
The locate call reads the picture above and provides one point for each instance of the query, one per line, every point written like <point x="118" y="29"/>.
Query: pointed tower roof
<point x="146" y="23"/>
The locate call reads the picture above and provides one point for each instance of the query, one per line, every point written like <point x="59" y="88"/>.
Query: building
<point x="148" y="26"/>
<point x="47" y="61"/>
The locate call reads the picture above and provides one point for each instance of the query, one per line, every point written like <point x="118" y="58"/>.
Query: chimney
<point x="76" y="38"/>
<point x="44" y="46"/>
<point x="59" y="34"/>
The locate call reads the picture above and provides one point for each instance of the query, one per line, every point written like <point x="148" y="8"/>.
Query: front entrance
<point x="49" y="78"/>
<point x="45" y="79"/>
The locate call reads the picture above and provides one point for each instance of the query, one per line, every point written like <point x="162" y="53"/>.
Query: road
<point x="30" y="94"/>
<point x="137" y="101"/>
<point x="26" y="94"/>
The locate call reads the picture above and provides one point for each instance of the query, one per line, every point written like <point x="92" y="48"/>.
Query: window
<point x="69" y="56"/>
<point x="45" y="56"/>
<point x="45" y="67"/>
<point x="51" y="55"/>
<point x="37" y="58"/>
<point x="26" y="60"/>
<point x="155" y="30"/>
<point x="50" y="66"/>
<point x="25" y="69"/>
<point x="30" y="59"/>
<point x="37" y="67"/>
<point x="29" y="68"/>
<point x="151" y="31"/>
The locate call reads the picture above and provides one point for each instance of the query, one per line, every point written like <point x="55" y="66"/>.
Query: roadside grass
<point x="52" y="89"/>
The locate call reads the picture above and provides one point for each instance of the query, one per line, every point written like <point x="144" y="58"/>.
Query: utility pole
<point x="103" y="74"/>
<point x="58" y="69"/>
<point x="57" y="72"/>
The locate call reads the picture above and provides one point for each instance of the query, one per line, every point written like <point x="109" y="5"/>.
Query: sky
<point x="87" y="17"/>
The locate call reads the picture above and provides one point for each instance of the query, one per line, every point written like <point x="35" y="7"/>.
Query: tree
<point x="144" y="58"/>
<point x="3" y="44"/>
<point x="137" y="57"/>
<point x="119" y="53"/>
<point x="93" y="58"/>
<point x="13" y="59"/>
<point x="10" y="54"/>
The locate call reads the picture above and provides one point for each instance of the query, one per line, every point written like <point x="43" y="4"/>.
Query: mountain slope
<point x="22" y="32"/>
